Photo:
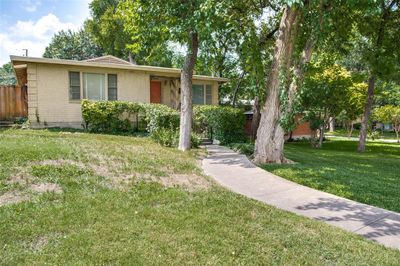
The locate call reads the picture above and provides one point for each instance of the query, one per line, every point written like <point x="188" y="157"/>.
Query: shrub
<point x="166" y="137"/>
<point x="195" y="140"/>
<point x="225" y="124"/>
<point x="159" y="116"/>
<point x="111" y="116"/>
<point x="244" y="148"/>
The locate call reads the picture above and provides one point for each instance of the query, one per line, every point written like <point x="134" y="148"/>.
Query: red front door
<point x="155" y="92"/>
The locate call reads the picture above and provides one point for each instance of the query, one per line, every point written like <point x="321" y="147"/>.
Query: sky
<point x="30" y="24"/>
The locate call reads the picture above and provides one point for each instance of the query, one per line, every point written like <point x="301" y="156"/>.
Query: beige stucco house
<point x="55" y="87"/>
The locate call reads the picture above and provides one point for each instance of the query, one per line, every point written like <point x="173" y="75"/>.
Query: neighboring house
<point x="384" y="126"/>
<point x="302" y="129"/>
<point x="55" y="87"/>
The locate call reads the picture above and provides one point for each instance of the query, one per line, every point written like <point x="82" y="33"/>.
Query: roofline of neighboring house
<point x="151" y="69"/>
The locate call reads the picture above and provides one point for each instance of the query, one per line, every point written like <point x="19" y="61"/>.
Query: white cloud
<point x="30" y="5"/>
<point x="31" y="35"/>
<point x="43" y="28"/>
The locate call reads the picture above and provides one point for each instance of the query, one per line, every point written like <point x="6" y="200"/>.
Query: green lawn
<point x="372" y="178"/>
<point x="356" y="132"/>
<point x="127" y="200"/>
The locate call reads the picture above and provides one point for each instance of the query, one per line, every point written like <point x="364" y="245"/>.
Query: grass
<point x="355" y="134"/>
<point x="96" y="220"/>
<point x="372" y="178"/>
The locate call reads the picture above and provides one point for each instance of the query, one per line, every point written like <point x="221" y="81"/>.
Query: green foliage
<point x="72" y="45"/>
<point x="389" y="114"/>
<point x="160" y="116"/>
<point x="7" y="76"/>
<point x="160" y="121"/>
<point x="327" y="91"/>
<point x="166" y="137"/>
<point x="244" y="148"/>
<point x="107" y="30"/>
<point x="110" y="116"/>
<point x="225" y="123"/>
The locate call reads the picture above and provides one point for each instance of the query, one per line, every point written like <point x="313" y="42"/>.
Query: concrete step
<point x="206" y="142"/>
<point x="6" y="124"/>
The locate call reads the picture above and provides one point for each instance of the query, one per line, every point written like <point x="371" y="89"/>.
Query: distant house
<point x="55" y="87"/>
<point x="301" y="131"/>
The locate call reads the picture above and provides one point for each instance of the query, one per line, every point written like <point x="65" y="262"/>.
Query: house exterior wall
<point x="48" y="92"/>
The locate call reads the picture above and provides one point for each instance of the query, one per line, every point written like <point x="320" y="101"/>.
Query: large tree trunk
<point x="185" y="129"/>
<point x="270" y="134"/>
<point x="255" y="122"/>
<point x="367" y="113"/>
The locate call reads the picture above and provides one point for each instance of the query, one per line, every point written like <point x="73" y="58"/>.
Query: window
<point x="94" y="86"/>
<point x="112" y="87"/>
<point x="201" y="94"/>
<point x="198" y="94"/>
<point x="74" y="86"/>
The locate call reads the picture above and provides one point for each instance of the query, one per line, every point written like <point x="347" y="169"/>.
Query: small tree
<point x="325" y="94"/>
<point x="389" y="114"/>
<point x="188" y="23"/>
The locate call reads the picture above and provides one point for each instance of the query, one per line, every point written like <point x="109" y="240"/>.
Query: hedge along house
<point x="56" y="87"/>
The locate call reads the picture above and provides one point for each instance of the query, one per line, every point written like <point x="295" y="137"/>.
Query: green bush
<point x="243" y="148"/>
<point x="166" y="137"/>
<point x="159" y="116"/>
<point x="111" y="116"/>
<point x="195" y="140"/>
<point x="225" y="124"/>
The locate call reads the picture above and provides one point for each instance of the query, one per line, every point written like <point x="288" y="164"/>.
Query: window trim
<point x="105" y="81"/>
<point x="81" y="83"/>
<point x="116" y="86"/>
<point x="204" y="85"/>
<point x="69" y="86"/>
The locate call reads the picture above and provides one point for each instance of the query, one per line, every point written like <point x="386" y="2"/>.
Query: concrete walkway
<point x="237" y="173"/>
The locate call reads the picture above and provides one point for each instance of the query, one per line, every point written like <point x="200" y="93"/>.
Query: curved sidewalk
<point x="237" y="173"/>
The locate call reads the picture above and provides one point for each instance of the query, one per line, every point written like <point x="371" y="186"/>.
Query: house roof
<point x="109" y="62"/>
<point x="109" y="59"/>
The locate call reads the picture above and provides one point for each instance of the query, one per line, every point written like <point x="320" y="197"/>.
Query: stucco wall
<point x="170" y="91"/>
<point x="48" y="92"/>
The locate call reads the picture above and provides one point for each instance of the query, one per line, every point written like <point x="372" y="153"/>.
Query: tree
<point x="188" y="23"/>
<point x="389" y="114"/>
<point x="326" y="92"/>
<point x="107" y="28"/>
<point x="379" y="29"/>
<point x="270" y="140"/>
<point x="72" y="45"/>
<point x="7" y="76"/>
<point x="354" y="105"/>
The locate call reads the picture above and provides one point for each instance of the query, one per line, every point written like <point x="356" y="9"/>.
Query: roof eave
<point x="150" y="69"/>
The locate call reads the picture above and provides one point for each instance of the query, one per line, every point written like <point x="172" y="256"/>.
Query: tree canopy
<point x="7" y="76"/>
<point x="72" y="45"/>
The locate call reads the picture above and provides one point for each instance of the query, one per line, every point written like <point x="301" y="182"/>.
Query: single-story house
<point x="55" y="87"/>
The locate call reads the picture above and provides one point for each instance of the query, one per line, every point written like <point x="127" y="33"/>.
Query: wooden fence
<point x="13" y="102"/>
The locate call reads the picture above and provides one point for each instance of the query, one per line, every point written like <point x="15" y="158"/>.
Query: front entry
<point x="155" y="92"/>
